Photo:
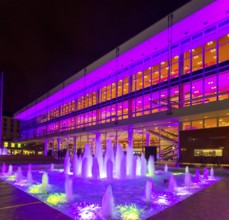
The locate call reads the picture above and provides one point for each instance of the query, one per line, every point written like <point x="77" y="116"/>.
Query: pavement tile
<point x="209" y="204"/>
<point x="18" y="205"/>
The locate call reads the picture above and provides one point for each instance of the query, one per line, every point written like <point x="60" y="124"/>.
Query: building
<point x="11" y="138"/>
<point x="167" y="87"/>
<point x="10" y="132"/>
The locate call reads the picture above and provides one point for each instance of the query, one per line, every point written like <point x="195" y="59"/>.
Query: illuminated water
<point x="166" y="168"/>
<point x="82" y="198"/>
<point x="29" y="177"/>
<point x="45" y="182"/>
<point x="108" y="206"/>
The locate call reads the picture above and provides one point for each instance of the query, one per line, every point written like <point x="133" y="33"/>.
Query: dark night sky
<point x="42" y="43"/>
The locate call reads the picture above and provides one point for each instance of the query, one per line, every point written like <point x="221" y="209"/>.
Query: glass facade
<point x="191" y="72"/>
<point x="193" y="77"/>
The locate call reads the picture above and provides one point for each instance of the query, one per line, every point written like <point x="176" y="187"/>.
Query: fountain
<point x="30" y="167"/>
<point x="52" y="167"/>
<point x="151" y="167"/>
<point x="95" y="169"/>
<point x="109" y="169"/>
<point x="136" y="198"/>
<point x="134" y="166"/>
<point x="138" y="166"/>
<point x="75" y="164"/>
<point x="45" y="183"/>
<point x="118" y="159"/>
<point x="87" y="155"/>
<point x="29" y="177"/>
<point x="123" y="168"/>
<point x="143" y="165"/>
<point x="108" y="206"/>
<point x="109" y="155"/>
<point x="129" y="160"/>
<point x="197" y="177"/>
<point x="186" y="169"/>
<point x="68" y="189"/>
<point x="166" y="168"/>
<point x="212" y="172"/>
<point x="85" y="168"/>
<point x="172" y="184"/>
<point x="205" y="173"/>
<point x="19" y="175"/>
<point x="188" y="179"/>
<point x="10" y="170"/>
<point x="148" y="190"/>
<point x="67" y="163"/>
<point x="99" y="156"/>
<point x="3" y="151"/>
<point x="3" y="168"/>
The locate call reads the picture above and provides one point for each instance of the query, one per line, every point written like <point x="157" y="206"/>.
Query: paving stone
<point x="18" y="205"/>
<point x="209" y="204"/>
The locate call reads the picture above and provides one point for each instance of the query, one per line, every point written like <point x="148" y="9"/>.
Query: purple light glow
<point x="212" y="13"/>
<point x="129" y="196"/>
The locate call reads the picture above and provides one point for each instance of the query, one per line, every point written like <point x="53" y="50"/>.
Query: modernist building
<point x="167" y="87"/>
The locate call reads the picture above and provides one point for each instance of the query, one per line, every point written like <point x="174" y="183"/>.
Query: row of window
<point x="204" y="90"/>
<point x="206" y="123"/>
<point x="192" y="60"/>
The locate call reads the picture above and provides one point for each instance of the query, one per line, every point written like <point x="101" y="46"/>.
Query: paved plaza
<point x="210" y="204"/>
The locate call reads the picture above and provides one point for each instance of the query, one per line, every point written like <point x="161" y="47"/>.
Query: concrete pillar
<point x="75" y="144"/>
<point x="130" y="101"/>
<point x="58" y="144"/>
<point x="130" y="137"/>
<point x="116" y="139"/>
<point x="53" y="147"/>
<point x="46" y="145"/>
<point x="181" y="96"/>
<point x="147" y="139"/>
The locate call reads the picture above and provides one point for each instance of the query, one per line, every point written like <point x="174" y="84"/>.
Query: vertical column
<point x="179" y="146"/>
<point x="75" y="144"/>
<point x="160" y="147"/>
<point x="98" y="110"/>
<point x="217" y="64"/>
<point x="181" y="96"/>
<point x="181" y="64"/>
<point x="116" y="139"/>
<point x="58" y="144"/>
<point x="147" y="139"/>
<point x="1" y="100"/>
<point x="53" y="147"/>
<point x="130" y="137"/>
<point x="130" y="110"/>
<point x="46" y="144"/>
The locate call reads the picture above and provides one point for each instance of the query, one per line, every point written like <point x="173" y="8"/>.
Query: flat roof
<point x="187" y="20"/>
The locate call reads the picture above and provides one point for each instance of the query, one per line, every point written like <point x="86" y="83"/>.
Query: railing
<point x="169" y="153"/>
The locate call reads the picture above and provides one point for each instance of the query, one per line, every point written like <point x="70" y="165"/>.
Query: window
<point x="210" y="53"/>
<point x="210" y="123"/>
<point x="197" y="58"/>
<point x="223" y="121"/>
<point x="186" y="66"/>
<point x="186" y="125"/>
<point x="197" y="124"/>
<point x="224" y="48"/>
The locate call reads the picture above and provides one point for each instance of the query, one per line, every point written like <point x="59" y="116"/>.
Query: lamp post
<point x="1" y="98"/>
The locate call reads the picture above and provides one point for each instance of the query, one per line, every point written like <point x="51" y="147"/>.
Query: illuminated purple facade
<point x="171" y="78"/>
